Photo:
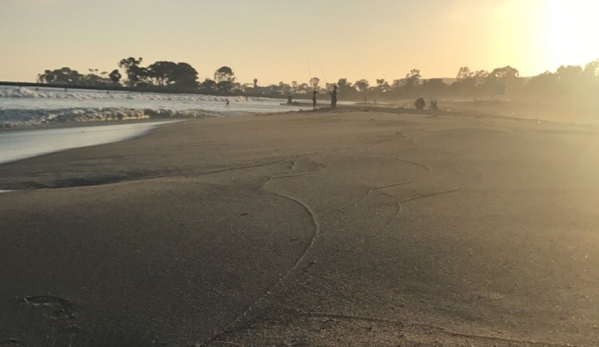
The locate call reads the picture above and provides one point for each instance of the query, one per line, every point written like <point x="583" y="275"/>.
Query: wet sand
<point x="345" y="228"/>
<point x="23" y="144"/>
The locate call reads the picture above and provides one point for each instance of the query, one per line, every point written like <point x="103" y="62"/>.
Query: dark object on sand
<point x="290" y="102"/>
<point x="314" y="100"/>
<point x="420" y="104"/>
<point x="295" y="103"/>
<point x="433" y="106"/>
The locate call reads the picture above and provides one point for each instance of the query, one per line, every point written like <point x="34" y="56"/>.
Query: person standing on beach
<point x="314" y="100"/>
<point x="334" y="97"/>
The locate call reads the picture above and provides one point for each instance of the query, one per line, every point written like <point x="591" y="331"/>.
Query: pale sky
<point x="276" y="40"/>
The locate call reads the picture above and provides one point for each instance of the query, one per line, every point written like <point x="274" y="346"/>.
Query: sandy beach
<point x="329" y="228"/>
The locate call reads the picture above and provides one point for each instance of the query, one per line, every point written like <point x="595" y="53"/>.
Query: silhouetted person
<point x="334" y="96"/>
<point x="227" y="102"/>
<point x="420" y="104"/>
<point x="289" y="100"/>
<point x="314" y="100"/>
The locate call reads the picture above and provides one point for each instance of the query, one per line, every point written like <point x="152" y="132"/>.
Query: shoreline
<point x="358" y="107"/>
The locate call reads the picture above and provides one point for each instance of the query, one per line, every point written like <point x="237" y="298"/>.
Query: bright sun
<point x="571" y="31"/>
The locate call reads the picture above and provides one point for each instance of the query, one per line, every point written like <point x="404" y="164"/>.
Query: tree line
<point x="161" y="75"/>
<point x="566" y="83"/>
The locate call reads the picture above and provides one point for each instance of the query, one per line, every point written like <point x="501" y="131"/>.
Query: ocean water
<point x="24" y="107"/>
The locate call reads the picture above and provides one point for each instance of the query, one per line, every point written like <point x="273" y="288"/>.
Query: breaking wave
<point x="26" y="107"/>
<point x="23" y="118"/>
<point x="84" y="94"/>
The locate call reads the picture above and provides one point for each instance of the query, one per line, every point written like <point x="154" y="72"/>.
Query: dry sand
<point x="308" y="229"/>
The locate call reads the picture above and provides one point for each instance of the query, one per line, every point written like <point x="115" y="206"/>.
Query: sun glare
<point x="571" y="29"/>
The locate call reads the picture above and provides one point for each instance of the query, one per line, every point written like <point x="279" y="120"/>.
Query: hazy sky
<point x="273" y="39"/>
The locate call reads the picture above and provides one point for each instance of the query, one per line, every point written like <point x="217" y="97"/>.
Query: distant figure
<point x="227" y="102"/>
<point x="314" y="100"/>
<point x="366" y="99"/>
<point x="289" y="100"/>
<point x="433" y="105"/>
<point x="420" y="104"/>
<point x="334" y="97"/>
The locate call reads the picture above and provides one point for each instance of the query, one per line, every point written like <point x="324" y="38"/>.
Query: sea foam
<point x="27" y="107"/>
